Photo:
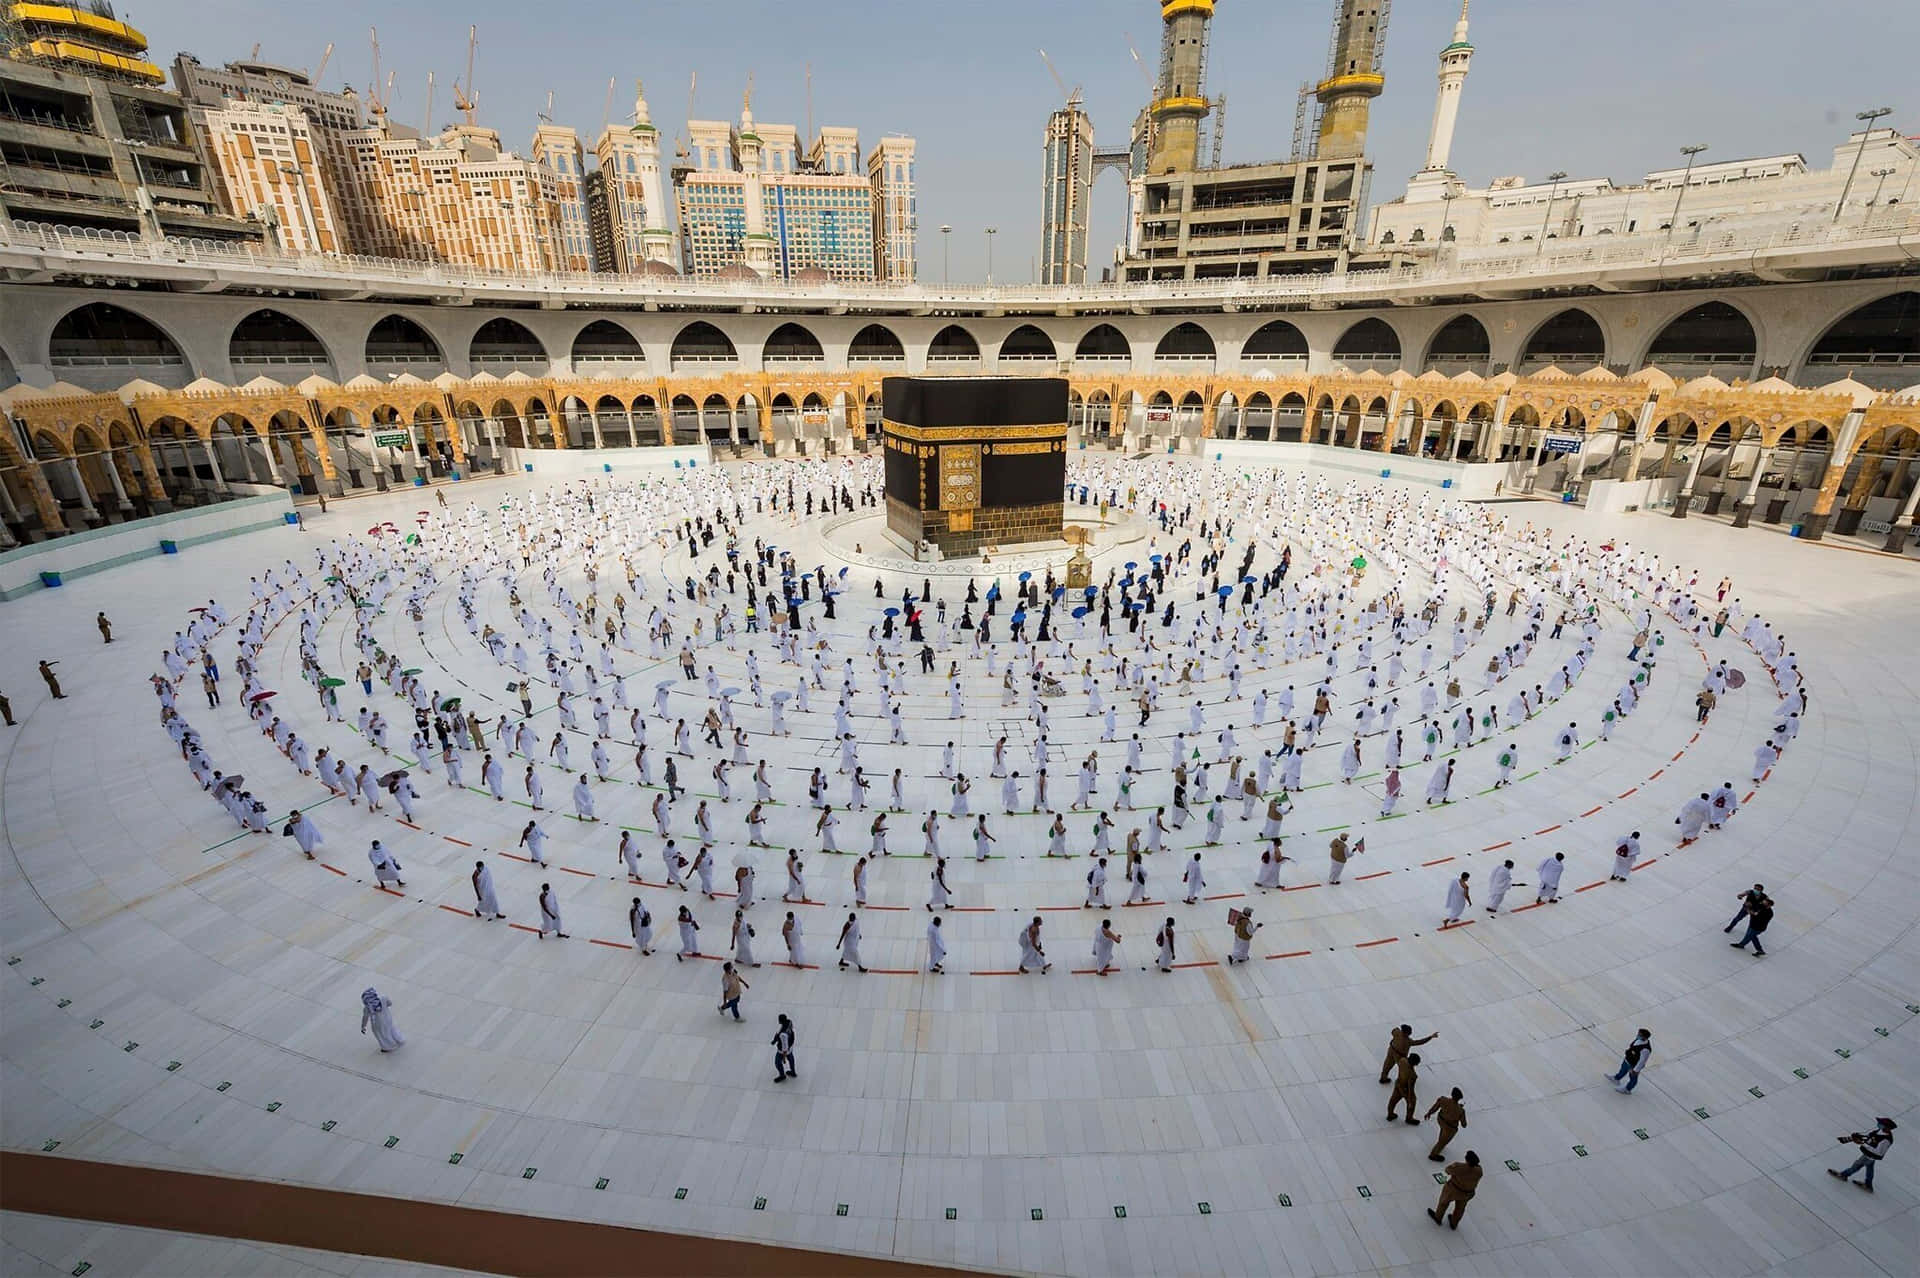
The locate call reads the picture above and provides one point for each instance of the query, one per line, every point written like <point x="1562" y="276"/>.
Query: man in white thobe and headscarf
<point x="385" y="869"/>
<point x="1458" y="899"/>
<point x="1693" y="817"/>
<point x="303" y="831"/>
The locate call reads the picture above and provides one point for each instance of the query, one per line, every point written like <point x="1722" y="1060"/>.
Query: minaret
<point x="757" y="250"/>
<point x="1180" y="96"/>
<point x="1353" y="79"/>
<point x="1446" y="106"/>
<point x="656" y="240"/>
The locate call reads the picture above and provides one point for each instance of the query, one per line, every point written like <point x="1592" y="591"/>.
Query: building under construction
<point x="1190" y="217"/>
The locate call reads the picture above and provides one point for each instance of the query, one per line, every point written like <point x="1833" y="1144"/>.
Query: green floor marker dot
<point x="65" y="1002"/>
<point x="1755" y="1092"/>
<point x="1512" y="1166"/>
<point x="1700" y="1113"/>
<point x="1843" y="1053"/>
<point x="952" y="1214"/>
<point x="529" y="1173"/>
<point x="601" y="1183"/>
<point x="1206" y="1209"/>
<point x="1882" y="1032"/>
<point x="223" y="1087"/>
<point x="50" y="1146"/>
<point x="455" y="1159"/>
<point x="1037" y="1214"/>
<point x="1799" y="1073"/>
<point x="840" y="1209"/>
<point x="1641" y="1132"/>
<point x="130" y="1046"/>
<point x="172" y="1066"/>
<point x="273" y="1107"/>
<point x="1579" y="1151"/>
<point x="1119" y="1212"/>
<point x="680" y="1193"/>
<point x="329" y="1125"/>
<point x="1365" y="1192"/>
<point x="392" y="1141"/>
<point x="1286" y="1200"/>
<point x="759" y="1204"/>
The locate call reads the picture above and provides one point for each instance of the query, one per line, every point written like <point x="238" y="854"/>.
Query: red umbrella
<point x="196" y="610"/>
<point x="1736" y="679"/>
<point x="375" y="531"/>
<point x="261" y="696"/>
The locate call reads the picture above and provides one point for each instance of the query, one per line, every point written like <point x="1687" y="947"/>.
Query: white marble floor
<point x="179" y="996"/>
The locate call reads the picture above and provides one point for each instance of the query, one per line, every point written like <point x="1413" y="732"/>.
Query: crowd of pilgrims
<point x="1272" y="617"/>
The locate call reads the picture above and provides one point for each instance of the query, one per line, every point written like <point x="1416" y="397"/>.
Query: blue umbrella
<point x="1135" y="606"/>
<point x="1081" y="611"/>
<point x="1025" y="575"/>
<point x="1092" y="591"/>
<point x="893" y="612"/>
<point x="1059" y="591"/>
<point x="1020" y="618"/>
<point x="793" y="601"/>
<point x="1156" y="558"/>
<point x="843" y="572"/>
<point x="1130" y="566"/>
<point x="1249" y="580"/>
<point x="1225" y="591"/>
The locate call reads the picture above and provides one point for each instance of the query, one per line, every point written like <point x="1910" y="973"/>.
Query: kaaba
<point x="974" y="461"/>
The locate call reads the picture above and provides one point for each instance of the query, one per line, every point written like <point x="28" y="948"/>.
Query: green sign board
<point x="392" y="439"/>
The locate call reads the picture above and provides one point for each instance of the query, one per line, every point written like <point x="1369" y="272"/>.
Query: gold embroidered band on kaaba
<point x="972" y="434"/>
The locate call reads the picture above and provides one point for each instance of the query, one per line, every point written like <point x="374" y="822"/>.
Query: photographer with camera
<point x="1873" y="1147"/>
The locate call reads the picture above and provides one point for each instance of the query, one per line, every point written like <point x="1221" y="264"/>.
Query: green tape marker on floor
<point x="1799" y="1073"/>
<point x="97" y="1023"/>
<point x="840" y="1209"/>
<point x="529" y="1173"/>
<point x="1119" y="1212"/>
<point x="1512" y="1166"/>
<point x="273" y="1107"/>
<point x="455" y="1159"/>
<point x="1882" y="1032"/>
<point x="1439" y="1178"/>
<point x="680" y="1193"/>
<point x="1365" y="1192"/>
<point x="1285" y="1200"/>
<point x="1843" y="1053"/>
<point x="329" y="1125"/>
<point x="172" y="1066"/>
<point x="131" y="1045"/>
<point x="952" y="1214"/>
<point x="392" y="1141"/>
<point x="38" y="980"/>
<point x="1206" y="1209"/>
<point x="65" y="1002"/>
<point x="1580" y="1151"/>
<point x="1755" y="1092"/>
<point x="1700" y="1113"/>
<point x="1641" y="1132"/>
<point x="50" y="1146"/>
<point x="601" y="1183"/>
<point x="1037" y="1214"/>
<point x="759" y="1204"/>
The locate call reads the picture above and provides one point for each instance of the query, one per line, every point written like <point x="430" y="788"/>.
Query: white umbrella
<point x="781" y="698"/>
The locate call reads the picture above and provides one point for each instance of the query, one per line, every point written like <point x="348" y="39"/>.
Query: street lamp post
<point x="1867" y="117"/>
<point x="1882" y="174"/>
<point x="991" y="232"/>
<point x="1689" y="152"/>
<point x="1446" y="211"/>
<point x="1556" y="177"/>
<point x="946" y="240"/>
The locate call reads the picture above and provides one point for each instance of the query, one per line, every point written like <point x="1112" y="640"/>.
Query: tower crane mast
<point x="465" y="100"/>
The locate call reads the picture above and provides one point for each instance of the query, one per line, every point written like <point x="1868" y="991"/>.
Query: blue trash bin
<point x="1386" y="474"/>
<point x="169" y="547"/>
<point x="528" y="468"/>
<point x="49" y="579"/>
<point x="1566" y="499"/>
<point x="292" y="517"/>
<point x="1795" y="530"/>
<point x="419" y="481"/>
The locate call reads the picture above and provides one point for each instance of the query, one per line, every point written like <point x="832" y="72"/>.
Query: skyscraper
<point x="557" y="150"/>
<point x="1067" y="165"/>
<point x="896" y="209"/>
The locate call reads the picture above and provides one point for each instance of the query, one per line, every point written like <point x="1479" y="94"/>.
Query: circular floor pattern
<point x="185" y="995"/>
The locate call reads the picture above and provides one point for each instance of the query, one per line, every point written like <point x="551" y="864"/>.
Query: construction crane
<point x="606" y="107"/>
<point x="377" y="96"/>
<point x="1141" y="63"/>
<point x="426" y="126"/>
<point x="255" y="55"/>
<point x="320" y="70"/>
<point x="680" y="142"/>
<point x="1070" y="96"/>
<point x="465" y="100"/>
<point x="1219" y="127"/>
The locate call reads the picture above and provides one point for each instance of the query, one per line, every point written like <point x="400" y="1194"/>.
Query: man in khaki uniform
<point x="1408" y="1074"/>
<point x="1338" y="851"/>
<point x="1463" y="1179"/>
<point x="1398" y="1046"/>
<point x="1452" y="1116"/>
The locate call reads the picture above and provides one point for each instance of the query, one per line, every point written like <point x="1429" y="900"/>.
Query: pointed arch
<point x="792" y="344"/>
<point x="1571" y="338"/>
<point x="605" y="342"/>
<point x="1276" y="342"/>
<point x="502" y="341"/>
<point x="701" y="343"/>
<point x="876" y="344"/>
<point x="1461" y="345"/>
<point x="273" y="339"/>
<point x="1712" y="336"/>
<point x="1105" y="344"/>
<point x="396" y="341"/>
<point x="1370" y="343"/>
<point x="1028" y="343"/>
<point x="1185" y="342"/>
<point x="1883" y="335"/>
<point x="102" y="336"/>
<point x="953" y="345"/>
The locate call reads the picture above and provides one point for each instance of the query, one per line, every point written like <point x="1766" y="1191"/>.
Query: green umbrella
<point x="333" y="683"/>
<point x="411" y="670"/>
<point x="451" y="703"/>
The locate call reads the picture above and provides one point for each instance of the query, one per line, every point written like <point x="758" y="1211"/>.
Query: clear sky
<point x="1594" y="89"/>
